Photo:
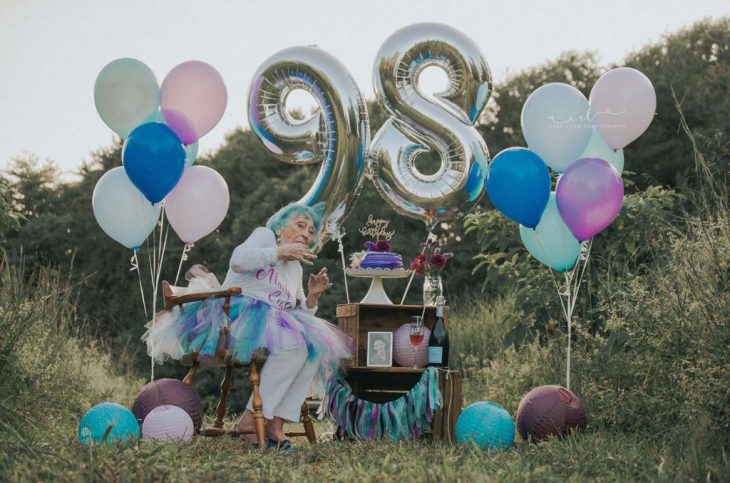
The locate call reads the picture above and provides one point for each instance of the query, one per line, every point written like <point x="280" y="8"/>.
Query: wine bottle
<point x="438" y="343"/>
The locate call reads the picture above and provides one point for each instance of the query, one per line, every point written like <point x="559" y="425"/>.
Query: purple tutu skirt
<point x="254" y="327"/>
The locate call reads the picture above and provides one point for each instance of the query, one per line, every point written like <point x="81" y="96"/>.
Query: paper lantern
<point x="168" y="423"/>
<point x="404" y="353"/>
<point x="108" y="422"/>
<point x="486" y="424"/>
<point x="549" y="411"/>
<point x="171" y="392"/>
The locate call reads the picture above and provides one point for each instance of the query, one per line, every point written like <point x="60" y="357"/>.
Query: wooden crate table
<point x="382" y="384"/>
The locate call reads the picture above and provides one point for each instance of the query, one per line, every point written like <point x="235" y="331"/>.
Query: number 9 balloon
<point x="337" y="134"/>
<point x="443" y="123"/>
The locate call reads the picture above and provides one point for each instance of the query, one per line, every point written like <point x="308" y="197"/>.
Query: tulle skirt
<point x="253" y="326"/>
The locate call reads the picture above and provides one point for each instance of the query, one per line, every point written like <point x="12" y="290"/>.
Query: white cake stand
<point x="376" y="294"/>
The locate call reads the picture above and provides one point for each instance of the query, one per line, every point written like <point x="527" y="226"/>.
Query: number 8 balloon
<point x="337" y="135"/>
<point x="443" y="124"/>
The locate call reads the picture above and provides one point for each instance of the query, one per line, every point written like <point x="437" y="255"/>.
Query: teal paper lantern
<point x="108" y="422"/>
<point x="487" y="425"/>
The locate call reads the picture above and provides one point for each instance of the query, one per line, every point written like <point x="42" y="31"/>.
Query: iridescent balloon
<point x="337" y="134"/>
<point x="589" y="195"/>
<point x="442" y="123"/>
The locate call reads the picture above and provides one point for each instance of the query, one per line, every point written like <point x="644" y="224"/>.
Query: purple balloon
<point x="589" y="196"/>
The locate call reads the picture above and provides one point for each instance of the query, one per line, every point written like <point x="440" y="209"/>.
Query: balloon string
<point x="183" y="258"/>
<point x="338" y="233"/>
<point x="573" y="287"/>
<point x="135" y="267"/>
<point x="430" y="237"/>
<point x="158" y="258"/>
<point x="149" y="261"/>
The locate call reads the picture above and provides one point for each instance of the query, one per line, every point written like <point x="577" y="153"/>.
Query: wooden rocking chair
<point x="224" y="360"/>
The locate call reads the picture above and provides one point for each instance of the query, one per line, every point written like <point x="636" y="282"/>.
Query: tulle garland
<point x="406" y="417"/>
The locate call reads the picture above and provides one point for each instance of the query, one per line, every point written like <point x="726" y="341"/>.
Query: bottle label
<point x="435" y="355"/>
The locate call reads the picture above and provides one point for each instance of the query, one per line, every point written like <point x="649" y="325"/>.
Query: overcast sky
<point x="52" y="50"/>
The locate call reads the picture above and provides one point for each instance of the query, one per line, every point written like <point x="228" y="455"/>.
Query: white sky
<point x="52" y="50"/>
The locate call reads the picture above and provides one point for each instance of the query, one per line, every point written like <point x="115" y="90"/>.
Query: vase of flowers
<point x="429" y="263"/>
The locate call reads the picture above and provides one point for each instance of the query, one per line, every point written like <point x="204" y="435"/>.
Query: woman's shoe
<point x="283" y="446"/>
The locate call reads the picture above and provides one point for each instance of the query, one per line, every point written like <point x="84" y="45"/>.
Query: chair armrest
<point x="171" y="300"/>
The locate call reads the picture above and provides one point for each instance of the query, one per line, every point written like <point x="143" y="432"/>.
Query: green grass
<point x="592" y="455"/>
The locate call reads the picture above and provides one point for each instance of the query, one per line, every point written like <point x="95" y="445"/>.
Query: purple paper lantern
<point x="404" y="353"/>
<point x="168" y="423"/>
<point x="170" y="392"/>
<point x="549" y="411"/>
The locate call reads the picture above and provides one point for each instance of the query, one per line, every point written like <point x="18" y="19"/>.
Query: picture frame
<point x="379" y="355"/>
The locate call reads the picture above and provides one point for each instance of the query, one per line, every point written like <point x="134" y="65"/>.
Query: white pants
<point x="285" y="380"/>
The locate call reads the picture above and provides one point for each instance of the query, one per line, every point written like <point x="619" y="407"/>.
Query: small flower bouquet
<point x="378" y="246"/>
<point x="430" y="260"/>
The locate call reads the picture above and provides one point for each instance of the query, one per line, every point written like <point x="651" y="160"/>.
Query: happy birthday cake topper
<point x="377" y="228"/>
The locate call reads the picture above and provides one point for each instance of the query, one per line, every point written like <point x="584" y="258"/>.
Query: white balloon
<point x="198" y="204"/>
<point x="555" y="124"/>
<point x="121" y="210"/>
<point x="168" y="423"/>
<point x="623" y="103"/>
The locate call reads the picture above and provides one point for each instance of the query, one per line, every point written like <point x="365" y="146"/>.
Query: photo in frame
<point x="380" y="349"/>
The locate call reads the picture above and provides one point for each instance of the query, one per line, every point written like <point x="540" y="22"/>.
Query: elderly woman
<point x="272" y="314"/>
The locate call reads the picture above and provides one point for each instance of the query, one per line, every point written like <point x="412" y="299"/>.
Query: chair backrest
<point x="171" y="300"/>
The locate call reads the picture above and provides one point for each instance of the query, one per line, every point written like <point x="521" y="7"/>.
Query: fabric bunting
<point x="406" y="417"/>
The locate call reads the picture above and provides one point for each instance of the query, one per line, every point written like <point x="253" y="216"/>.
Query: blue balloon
<point x="518" y="183"/>
<point x="551" y="241"/>
<point x="154" y="159"/>
<point x="108" y="422"/>
<point x="486" y="424"/>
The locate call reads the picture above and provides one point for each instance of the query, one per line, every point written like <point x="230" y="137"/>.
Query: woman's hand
<point x="295" y="251"/>
<point x="315" y="286"/>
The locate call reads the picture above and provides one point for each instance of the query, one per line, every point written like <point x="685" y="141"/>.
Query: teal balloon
<point x="106" y="423"/>
<point x="191" y="153"/>
<point x="157" y="116"/>
<point x="487" y="425"/>
<point x="597" y="148"/>
<point x="126" y="93"/>
<point x="551" y="241"/>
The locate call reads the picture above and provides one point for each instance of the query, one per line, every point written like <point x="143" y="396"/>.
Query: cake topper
<point x="377" y="228"/>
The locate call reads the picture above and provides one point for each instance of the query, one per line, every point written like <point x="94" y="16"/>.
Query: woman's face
<point x="299" y="229"/>
<point x="379" y="347"/>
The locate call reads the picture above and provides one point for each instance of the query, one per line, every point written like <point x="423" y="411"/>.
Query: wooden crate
<point x="382" y="384"/>
<point x="359" y="319"/>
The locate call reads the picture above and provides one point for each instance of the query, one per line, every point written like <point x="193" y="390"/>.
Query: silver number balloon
<point x="337" y="134"/>
<point x="443" y="124"/>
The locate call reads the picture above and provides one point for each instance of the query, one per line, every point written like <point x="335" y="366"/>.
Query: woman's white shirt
<point x="255" y="268"/>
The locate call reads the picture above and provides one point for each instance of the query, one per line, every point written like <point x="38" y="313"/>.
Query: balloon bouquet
<point x="338" y="133"/>
<point x="581" y="140"/>
<point x="160" y="127"/>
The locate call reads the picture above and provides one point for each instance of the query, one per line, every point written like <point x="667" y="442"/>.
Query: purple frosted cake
<point x="377" y="257"/>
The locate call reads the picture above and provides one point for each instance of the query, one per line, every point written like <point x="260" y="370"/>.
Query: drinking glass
<point x="416" y="334"/>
